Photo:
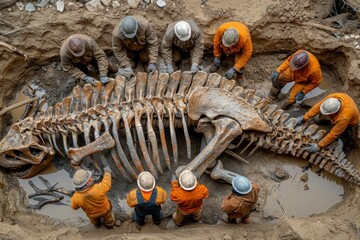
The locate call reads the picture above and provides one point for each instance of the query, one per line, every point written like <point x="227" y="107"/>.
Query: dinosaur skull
<point x="21" y="153"/>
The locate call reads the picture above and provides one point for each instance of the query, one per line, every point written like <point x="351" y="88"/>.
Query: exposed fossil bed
<point x="277" y="29"/>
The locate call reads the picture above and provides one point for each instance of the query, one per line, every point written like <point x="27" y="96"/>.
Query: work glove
<point x="230" y="74"/>
<point x="299" y="96"/>
<point x="217" y="62"/>
<point x="104" y="79"/>
<point x="169" y="68"/>
<point x="151" y="68"/>
<point x="126" y="72"/>
<point x="107" y="169"/>
<point x="314" y="147"/>
<point x="90" y="80"/>
<point x="299" y="120"/>
<point x="274" y="76"/>
<point x="194" y="68"/>
<point x="172" y="178"/>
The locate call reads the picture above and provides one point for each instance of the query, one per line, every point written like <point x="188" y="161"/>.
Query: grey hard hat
<point x="330" y="106"/>
<point x="182" y="30"/>
<point x="241" y="184"/>
<point x="76" y="46"/>
<point x="129" y="26"/>
<point x="299" y="60"/>
<point x="146" y="181"/>
<point x="187" y="180"/>
<point x="81" y="177"/>
<point x="230" y="37"/>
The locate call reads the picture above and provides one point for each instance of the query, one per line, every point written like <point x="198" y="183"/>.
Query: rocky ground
<point x="278" y="28"/>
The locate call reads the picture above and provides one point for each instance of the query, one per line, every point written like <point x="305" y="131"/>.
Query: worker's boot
<point x="274" y="92"/>
<point x="285" y="105"/>
<point x="226" y="218"/>
<point x="213" y="68"/>
<point x="246" y="220"/>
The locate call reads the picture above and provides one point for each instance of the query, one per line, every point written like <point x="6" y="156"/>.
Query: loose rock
<point x="115" y="4"/>
<point x="42" y="3"/>
<point x="133" y="3"/>
<point x="106" y="2"/>
<point x="53" y="1"/>
<point x="72" y="6"/>
<point x="161" y="3"/>
<point x="30" y="7"/>
<point x="304" y="177"/>
<point x="306" y="187"/>
<point x="94" y="5"/>
<point x="60" y="5"/>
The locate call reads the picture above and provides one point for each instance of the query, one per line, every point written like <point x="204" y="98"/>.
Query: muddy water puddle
<point x="61" y="210"/>
<point x="290" y="198"/>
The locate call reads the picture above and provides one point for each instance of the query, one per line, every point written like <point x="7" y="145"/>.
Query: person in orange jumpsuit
<point x="92" y="197"/>
<point x="146" y="199"/>
<point x="232" y="38"/>
<point x="189" y="195"/>
<point x="303" y="68"/>
<point x="240" y="202"/>
<point x="342" y="111"/>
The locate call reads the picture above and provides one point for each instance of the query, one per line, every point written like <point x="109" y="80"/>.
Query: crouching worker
<point x="92" y="197"/>
<point x="240" y="201"/>
<point x="146" y="199"/>
<point x="189" y="196"/>
<point x="341" y="110"/>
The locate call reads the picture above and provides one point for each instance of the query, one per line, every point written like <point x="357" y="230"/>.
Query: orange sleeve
<point x="161" y="196"/>
<point x="315" y="110"/>
<point x="335" y="132"/>
<point x="205" y="191"/>
<point x="256" y="187"/>
<point x="217" y="41"/>
<point x="105" y="185"/>
<point x="245" y="54"/>
<point x="131" y="199"/>
<point x="315" y="80"/>
<point x="227" y="206"/>
<point x="174" y="194"/>
<point x="74" y="203"/>
<point x="285" y="65"/>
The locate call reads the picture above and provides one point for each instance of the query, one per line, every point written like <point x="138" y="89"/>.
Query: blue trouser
<point x="147" y="208"/>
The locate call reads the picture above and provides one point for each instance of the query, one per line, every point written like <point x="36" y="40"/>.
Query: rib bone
<point x="105" y="141"/>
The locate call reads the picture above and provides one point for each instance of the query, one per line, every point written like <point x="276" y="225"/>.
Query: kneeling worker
<point x="146" y="199"/>
<point x="342" y="111"/>
<point x="77" y="52"/>
<point x="189" y="196"/>
<point x="240" y="201"/>
<point x="302" y="68"/>
<point x="92" y="197"/>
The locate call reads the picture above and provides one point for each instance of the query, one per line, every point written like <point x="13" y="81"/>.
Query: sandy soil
<point x="277" y="30"/>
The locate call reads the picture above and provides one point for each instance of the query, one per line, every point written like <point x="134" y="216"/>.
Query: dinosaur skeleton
<point x="98" y="120"/>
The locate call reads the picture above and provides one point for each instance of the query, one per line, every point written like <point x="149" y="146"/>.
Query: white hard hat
<point x="81" y="177"/>
<point x="241" y="184"/>
<point x="330" y="106"/>
<point x="187" y="180"/>
<point x="182" y="30"/>
<point x="230" y="37"/>
<point x="146" y="181"/>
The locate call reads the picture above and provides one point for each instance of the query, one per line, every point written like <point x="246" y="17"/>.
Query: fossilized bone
<point x="219" y="173"/>
<point x="139" y="114"/>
